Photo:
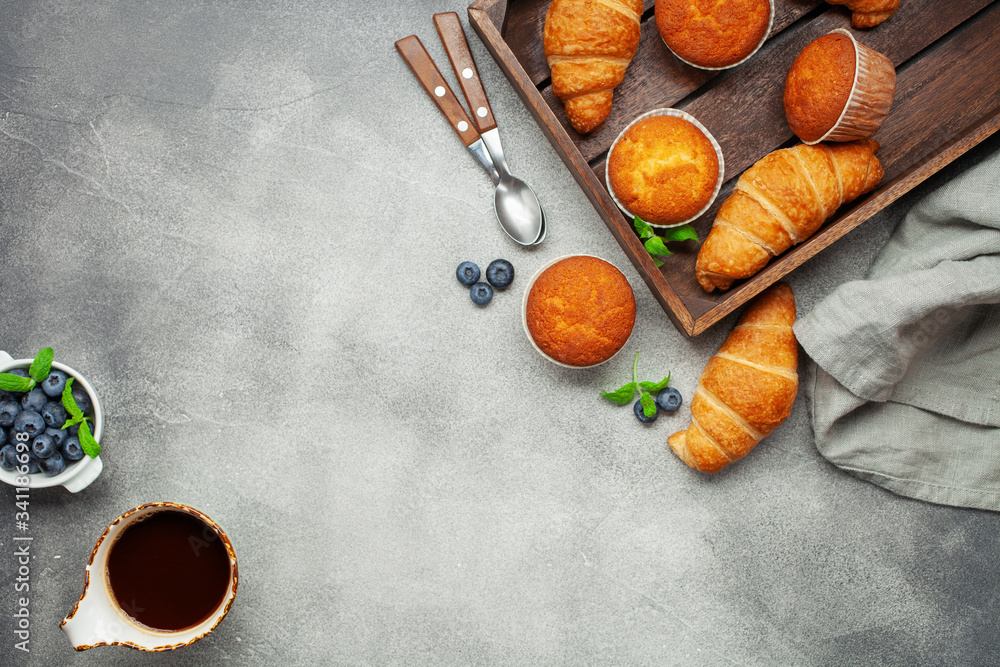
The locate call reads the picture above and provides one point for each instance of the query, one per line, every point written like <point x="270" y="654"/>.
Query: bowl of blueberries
<point x="36" y="451"/>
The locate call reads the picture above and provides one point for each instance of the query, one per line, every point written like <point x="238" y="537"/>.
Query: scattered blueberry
<point x="8" y="457"/>
<point x="54" y="384"/>
<point x="43" y="446"/>
<point x="641" y="416"/>
<point x="82" y="399"/>
<point x="500" y="273"/>
<point x="468" y="273"/>
<point x="60" y="435"/>
<point x="54" y="414"/>
<point x="30" y="422"/>
<point x="71" y="449"/>
<point x="52" y="465"/>
<point x="34" y="400"/>
<point x="669" y="399"/>
<point x="481" y="294"/>
<point x="8" y="411"/>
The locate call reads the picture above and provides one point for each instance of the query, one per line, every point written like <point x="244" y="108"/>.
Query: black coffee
<point x="169" y="571"/>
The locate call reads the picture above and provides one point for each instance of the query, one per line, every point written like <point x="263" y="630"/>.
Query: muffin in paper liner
<point x="524" y="312"/>
<point x="871" y="95"/>
<point x="677" y="113"/>
<point x="748" y="56"/>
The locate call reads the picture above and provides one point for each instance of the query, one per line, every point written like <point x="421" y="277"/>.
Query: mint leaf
<point x="90" y="446"/>
<point x="622" y="395"/>
<point x="11" y="382"/>
<point x="42" y="364"/>
<point x="682" y="233"/>
<point x="648" y="404"/>
<point x="654" y="387"/>
<point x="656" y="246"/>
<point x="641" y="226"/>
<point x="74" y="411"/>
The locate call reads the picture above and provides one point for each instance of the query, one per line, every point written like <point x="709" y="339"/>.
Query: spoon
<point x="515" y="203"/>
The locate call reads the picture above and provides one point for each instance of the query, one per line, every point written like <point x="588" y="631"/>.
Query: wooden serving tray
<point x="947" y="58"/>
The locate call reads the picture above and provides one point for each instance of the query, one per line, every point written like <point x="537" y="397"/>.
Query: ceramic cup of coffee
<point x="78" y="474"/>
<point x="162" y="576"/>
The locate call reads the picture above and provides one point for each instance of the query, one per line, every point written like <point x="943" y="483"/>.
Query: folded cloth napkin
<point x="905" y="391"/>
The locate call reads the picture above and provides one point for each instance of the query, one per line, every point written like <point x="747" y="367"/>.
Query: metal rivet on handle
<point x="481" y="112"/>
<point x="462" y="126"/>
<point x="439" y="91"/>
<point x="467" y="73"/>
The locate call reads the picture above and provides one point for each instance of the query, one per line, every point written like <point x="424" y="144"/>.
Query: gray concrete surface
<point x="241" y="220"/>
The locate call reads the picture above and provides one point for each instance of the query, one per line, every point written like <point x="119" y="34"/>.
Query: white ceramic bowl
<point x="524" y="313"/>
<point x="78" y="474"/>
<point x="677" y="113"/>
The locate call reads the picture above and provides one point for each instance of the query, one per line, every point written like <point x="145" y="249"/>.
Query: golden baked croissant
<point x="868" y="13"/>
<point x="588" y="45"/>
<point x="781" y="201"/>
<point x="747" y="389"/>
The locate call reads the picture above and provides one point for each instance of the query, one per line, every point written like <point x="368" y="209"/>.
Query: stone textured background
<point x="241" y="221"/>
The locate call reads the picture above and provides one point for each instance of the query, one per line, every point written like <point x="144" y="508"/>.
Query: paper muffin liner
<point x="767" y="33"/>
<point x="524" y="313"/>
<point x="677" y="113"/>
<point x="871" y="95"/>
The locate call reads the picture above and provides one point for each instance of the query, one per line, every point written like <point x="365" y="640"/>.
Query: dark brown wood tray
<point x="947" y="58"/>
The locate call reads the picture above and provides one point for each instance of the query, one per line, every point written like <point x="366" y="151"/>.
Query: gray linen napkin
<point x="905" y="390"/>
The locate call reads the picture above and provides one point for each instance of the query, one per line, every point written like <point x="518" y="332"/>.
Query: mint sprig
<point x="88" y="442"/>
<point x="656" y="245"/>
<point x="624" y="394"/>
<point x="41" y="365"/>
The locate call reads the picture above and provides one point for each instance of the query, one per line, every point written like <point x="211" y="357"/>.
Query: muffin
<point x="838" y="90"/>
<point x="714" y="35"/>
<point x="664" y="168"/>
<point x="579" y="311"/>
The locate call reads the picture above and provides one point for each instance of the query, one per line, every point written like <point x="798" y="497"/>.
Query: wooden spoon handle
<point x="430" y="78"/>
<point x="449" y="28"/>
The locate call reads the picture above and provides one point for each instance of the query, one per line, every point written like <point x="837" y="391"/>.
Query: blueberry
<point x="8" y="457"/>
<point x="500" y="273"/>
<point x="8" y="411"/>
<point x="34" y="400"/>
<point x="53" y="465"/>
<point x="71" y="449"/>
<point x="468" y="273"/>
<point x="82" y="399"/>
<point x="481" y="294"/>
<point x="54" y="384"/>
<point x="60" y="435"/>
<point x="54" y="414"/>
<point x="30" y="422"/>
<point x="669" y="399"/>
<point x="641" y="416"/>
<point x="19" y="372"/>
<point x="3" y="437"/>
<point x="43" y="446"/>
<point x="33" y="464"/>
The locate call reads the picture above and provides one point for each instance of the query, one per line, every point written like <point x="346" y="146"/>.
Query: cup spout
<point x="92" y="624"/>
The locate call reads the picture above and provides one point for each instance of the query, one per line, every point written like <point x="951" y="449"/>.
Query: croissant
<point x="781" y="201"/>
<point x="747" y="389"/>
<point x="589" y="45"/>
<point x="868" y="13"/>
